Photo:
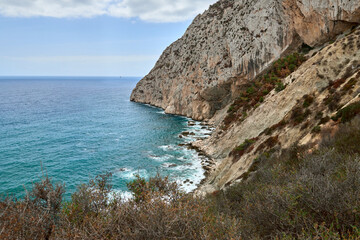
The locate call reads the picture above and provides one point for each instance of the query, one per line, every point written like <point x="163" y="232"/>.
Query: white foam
<point x="124" y="195"/>
<point x="160" y="158"/>
<point x="169" y="147"/>
<point x="130" y="175"/>
<point x="169" y="165"/>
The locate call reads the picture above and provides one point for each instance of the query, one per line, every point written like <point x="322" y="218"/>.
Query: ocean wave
<point x="130" y="175"/>
<point x="161" y="112"/>
<point x="124" y="195"/>
<point x="160" y="158"/>
<point x="170" y="147"/>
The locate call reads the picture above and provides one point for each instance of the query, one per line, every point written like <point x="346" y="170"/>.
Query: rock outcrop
<point x="330" y="79"/>
<point x="194" y="75"/>
<point x="235" y="42"/>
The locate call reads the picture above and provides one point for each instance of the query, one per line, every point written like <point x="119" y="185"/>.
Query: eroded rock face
<point x="195" y="75"/>
<point x="331" y="78"/>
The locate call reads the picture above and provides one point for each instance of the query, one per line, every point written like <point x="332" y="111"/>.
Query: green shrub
<point x="316" y="129"/>
<point x="250" y="90"/>
<point x="279" y="86"/>
<point x="231" y="109"/>
<point x="298" y="115"/>
<point x="308" y="100"/>
<point x="348" y="112"/>
<point x="292" y="67"/>
<point x="324" y="120"/>
<point x="274" y="79"/>
<point x="243" y="148"/>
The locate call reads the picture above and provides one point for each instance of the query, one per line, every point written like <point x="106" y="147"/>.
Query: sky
<point x="90" y="37"/>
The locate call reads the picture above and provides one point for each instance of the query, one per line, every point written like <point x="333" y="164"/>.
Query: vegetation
<point x="301" y="196"/>
<point x="308" y="100"/>
<point x="159" y="210"/>
<point x="289" y="195"/>
<point x="253" y="93"/>
<point x="348" y="112"/>
<point x="243" y="148"/>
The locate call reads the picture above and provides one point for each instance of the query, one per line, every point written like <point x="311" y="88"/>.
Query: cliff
<point x="313" y="96"/>
<point x="194" y="75"/>
<point x="233" y="44"/>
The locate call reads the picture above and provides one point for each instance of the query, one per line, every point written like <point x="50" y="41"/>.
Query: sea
<point x="75" y="128"/>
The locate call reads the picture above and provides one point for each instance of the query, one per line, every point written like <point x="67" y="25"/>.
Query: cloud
<point x="147" y="10"/>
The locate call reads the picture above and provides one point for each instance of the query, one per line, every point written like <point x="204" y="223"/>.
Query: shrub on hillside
<point x="301" y="196"/>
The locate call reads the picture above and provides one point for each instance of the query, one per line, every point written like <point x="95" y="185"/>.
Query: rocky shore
<point x="240" y="67"/>
<point x="194" y="135"/>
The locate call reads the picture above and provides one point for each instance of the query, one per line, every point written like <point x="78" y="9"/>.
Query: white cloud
<point x="147" y="10"/>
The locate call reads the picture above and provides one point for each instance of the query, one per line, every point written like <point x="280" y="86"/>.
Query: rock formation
<point x="193" y="76"/>
<point x="330" y="79"/>
<point x="233" y="43"/>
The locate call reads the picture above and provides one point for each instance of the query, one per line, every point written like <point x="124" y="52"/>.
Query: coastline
<point x="195" y="131"/>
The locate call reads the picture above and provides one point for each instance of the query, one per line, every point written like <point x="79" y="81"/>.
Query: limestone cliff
<point x="322" y="86"/>
<point x="216" y="71"/>
<point x="194" y="75"/>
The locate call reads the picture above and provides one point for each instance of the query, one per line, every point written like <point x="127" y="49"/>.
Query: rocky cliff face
<point x="194" y="76"/>
<point x="233" y="44"/>
<point x="322" y="86"/>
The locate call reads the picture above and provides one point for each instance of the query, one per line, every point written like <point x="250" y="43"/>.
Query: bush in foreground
<point x="159" y="210"/>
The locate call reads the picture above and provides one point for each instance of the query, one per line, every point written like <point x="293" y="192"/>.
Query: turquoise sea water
<point x="78" y="127"/>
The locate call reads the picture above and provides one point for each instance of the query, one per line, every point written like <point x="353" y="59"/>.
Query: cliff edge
<point x="195" y="75"/>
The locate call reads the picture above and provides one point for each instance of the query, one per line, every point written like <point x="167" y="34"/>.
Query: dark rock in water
<point x="192" y="134"/>
<point x="172" y="165"/>
<point x="191" y="123"/>
<point x="191" y="182"/>
<point x="191" y="147"/>
<point x="185" y="133"/>
<point x="203" y="127"/>
<point x="206" y="168"/>
<point x="122" y="169"/>
<point x="186" y="181"/>
<point x="180" y="136"/>
<point x="181" y="144"/>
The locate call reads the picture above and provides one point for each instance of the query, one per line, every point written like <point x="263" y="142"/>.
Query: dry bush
<point x="159" y="210"/>
<point x="36" y="216"/>
<point x="301" y="196"/>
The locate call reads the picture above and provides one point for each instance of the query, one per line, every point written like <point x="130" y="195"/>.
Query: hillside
<point x="267" y="74"/>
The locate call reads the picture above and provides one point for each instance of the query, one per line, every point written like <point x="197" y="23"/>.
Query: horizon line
<point x="112" y="76"/>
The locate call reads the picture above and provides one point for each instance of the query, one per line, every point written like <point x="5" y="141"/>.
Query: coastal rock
<point x="195" y="76"/>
